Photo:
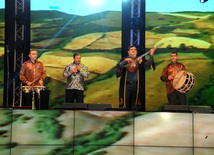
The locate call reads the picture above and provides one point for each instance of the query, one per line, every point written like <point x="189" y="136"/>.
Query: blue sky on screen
<point x="77" y="7"/>
<point x="179" y="5"/>
<point x="85" y="7"/>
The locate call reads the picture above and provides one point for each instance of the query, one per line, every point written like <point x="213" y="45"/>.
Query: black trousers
<point x="177" y="98"/>
<point x="131" y="92"/>
<point x="72" y="94"/>
<point x="41" y="102"/>
<point x="27" y="99"/>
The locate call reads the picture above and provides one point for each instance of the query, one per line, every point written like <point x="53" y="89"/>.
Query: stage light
<point x="136" y="23"/>
<point x="203" y="1"/>
<point x="95" y="2"/>
<point x="20" y="17"/>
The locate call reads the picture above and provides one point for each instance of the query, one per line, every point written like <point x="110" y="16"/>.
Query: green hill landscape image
<point x="56" y="36"/>
<point x="97" y="37"/>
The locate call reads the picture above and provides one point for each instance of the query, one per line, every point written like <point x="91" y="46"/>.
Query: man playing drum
<point x="32" y="73"/>
<point x="174" y="97"/>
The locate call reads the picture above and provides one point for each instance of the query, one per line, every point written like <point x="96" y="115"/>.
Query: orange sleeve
<point x="43" y="72"/>
<point x="22" y="73"/>
<point x="164" y="75"/>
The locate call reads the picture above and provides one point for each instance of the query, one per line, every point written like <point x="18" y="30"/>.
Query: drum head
<point x="37" y="89"/>
<point x="26" y="89"/>
<point x="179" y="79"/>
<point x="183" y="81"/>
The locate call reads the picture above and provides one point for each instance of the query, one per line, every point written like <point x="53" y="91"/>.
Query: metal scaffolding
<point x="18" y="51"/>
<point x="135" y="22"/>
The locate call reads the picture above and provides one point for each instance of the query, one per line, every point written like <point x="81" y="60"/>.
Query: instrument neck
<point x="142" y="55"/>
<point x="148" y="52"/>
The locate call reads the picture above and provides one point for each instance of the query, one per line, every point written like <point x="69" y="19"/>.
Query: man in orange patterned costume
<point x="174" y="97"/>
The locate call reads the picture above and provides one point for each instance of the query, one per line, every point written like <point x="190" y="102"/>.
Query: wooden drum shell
<point x="183" y="81"/>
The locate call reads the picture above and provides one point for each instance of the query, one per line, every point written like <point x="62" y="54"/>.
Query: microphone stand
<point x="8" y="73"/>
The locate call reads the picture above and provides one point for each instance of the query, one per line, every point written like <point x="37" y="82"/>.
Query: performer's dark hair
<point x="173" y="52"/>
<point x="75" y="54"/>
<point x="31" y="50"/>
<point x="132" y="46"/>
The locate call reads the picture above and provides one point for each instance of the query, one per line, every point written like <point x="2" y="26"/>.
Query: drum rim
<point x="188" y="83"/>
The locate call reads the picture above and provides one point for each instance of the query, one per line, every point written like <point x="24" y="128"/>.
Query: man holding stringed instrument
<point x="130" y="70"/>
<point x="32" y="75"/>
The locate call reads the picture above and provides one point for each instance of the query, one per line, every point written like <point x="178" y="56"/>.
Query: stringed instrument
<point x="135" y="63"/>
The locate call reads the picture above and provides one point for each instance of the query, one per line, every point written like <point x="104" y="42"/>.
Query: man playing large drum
<point x="169" y="72"/>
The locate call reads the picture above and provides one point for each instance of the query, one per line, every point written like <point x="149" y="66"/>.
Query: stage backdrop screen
<point x="186" y="27"/>
<point x="92" y="28"/>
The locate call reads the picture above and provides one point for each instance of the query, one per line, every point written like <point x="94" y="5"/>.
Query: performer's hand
<point x="29" y="83"/>
<point x="78" y="67"/>
<point x="170" y="77"/>
<point x="74" y="70"/>
<point x="152" y="51"/>
<point x="41" y="82"/>
<point x="129" y="60"/>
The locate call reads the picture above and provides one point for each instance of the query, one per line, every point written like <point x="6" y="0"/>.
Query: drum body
<point x="27" y="89"/>
<point x="183" y="81"/>
<point x="37" y="89"/>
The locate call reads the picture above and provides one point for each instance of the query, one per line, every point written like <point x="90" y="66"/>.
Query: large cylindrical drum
<point x="183" y="81"/>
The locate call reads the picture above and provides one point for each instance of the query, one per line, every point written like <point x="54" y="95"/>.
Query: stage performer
<point x="174" y="97"/>
<point x="75" y="73"/>
<point x="131" y="84"/>
<point x="32" y="73"/>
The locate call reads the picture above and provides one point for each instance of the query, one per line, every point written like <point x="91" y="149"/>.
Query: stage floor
<point x="105" y="132"/>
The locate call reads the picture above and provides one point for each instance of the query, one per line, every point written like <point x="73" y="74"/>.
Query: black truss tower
<point x="17" y="45"/>
<point x="133" y="29"/>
